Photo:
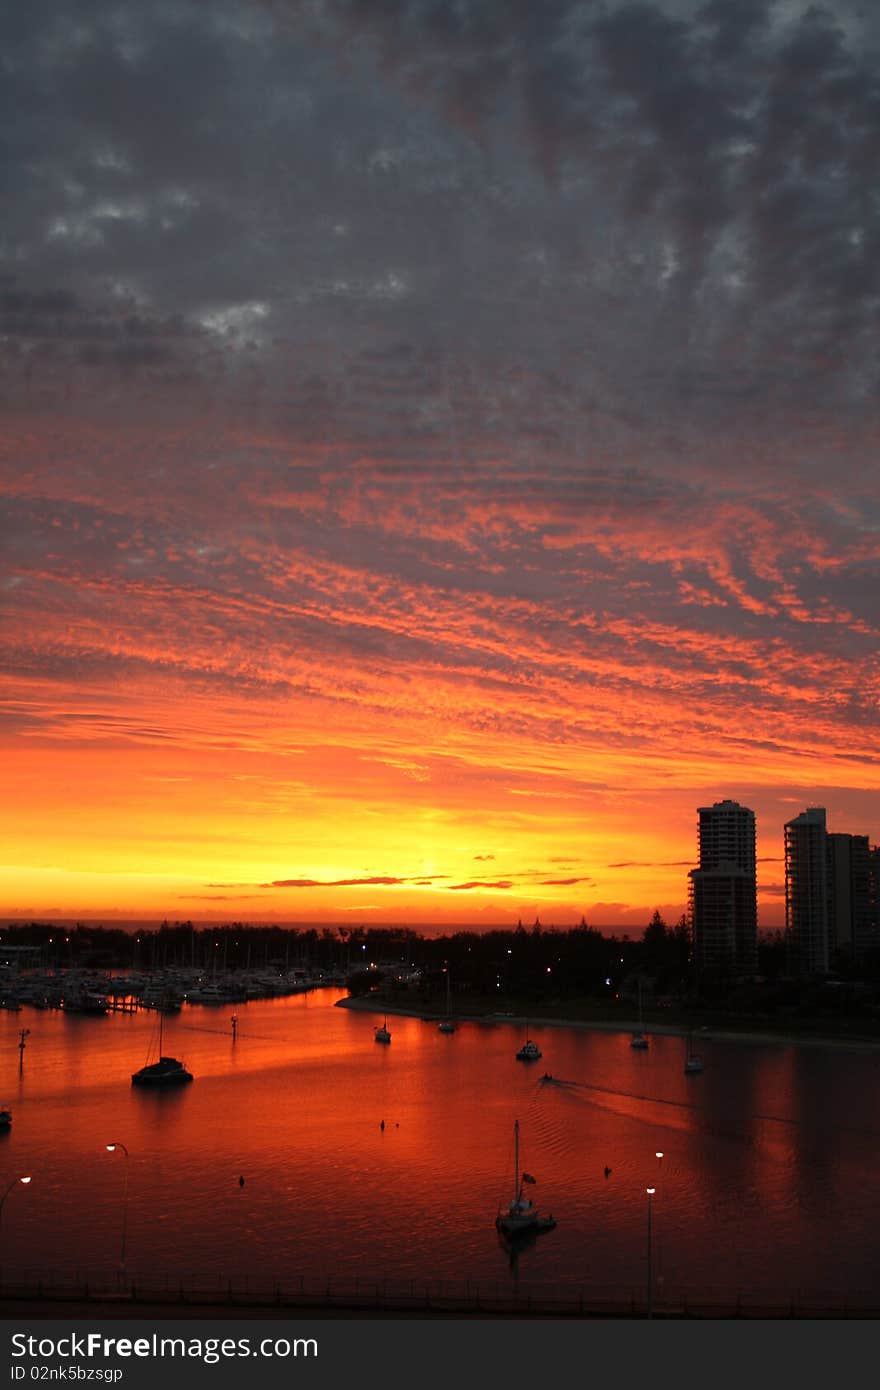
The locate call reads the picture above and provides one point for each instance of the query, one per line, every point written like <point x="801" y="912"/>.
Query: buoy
<point x="241" y="1182"/>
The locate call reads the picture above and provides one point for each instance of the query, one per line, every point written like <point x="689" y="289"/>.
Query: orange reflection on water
<point x="761" y="1159"/>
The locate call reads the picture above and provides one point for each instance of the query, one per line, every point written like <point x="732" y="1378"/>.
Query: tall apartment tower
<point x="723" y="894"/>
<point x="807" y="898"/>
<point x="852" y="928"/>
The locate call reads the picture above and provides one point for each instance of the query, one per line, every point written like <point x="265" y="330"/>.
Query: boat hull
<point x="524" y="1225"/>
<point x="165" y="1072"/>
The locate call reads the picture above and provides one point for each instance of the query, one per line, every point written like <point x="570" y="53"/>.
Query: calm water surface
<point x="768" y="1179"/>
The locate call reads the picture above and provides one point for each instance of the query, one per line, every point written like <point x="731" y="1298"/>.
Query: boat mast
<point x="517" y="1186"/>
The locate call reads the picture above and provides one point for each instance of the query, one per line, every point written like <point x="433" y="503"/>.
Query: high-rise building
<point x="722" y="897"/>
<point x="851" y="929"/>
<point x="807" y="899"/>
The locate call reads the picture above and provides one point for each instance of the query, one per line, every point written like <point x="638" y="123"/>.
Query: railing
<point x="42" y="1289"/>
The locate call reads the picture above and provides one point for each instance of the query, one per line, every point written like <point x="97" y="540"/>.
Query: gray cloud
<point x="683" y="192"/>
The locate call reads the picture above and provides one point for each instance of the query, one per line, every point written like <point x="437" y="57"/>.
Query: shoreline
<point x="708" y="1033"/>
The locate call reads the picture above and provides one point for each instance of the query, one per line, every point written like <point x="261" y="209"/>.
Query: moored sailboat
<point x="446" y="1025"/>
<point x="165" y="1071"/>
<point x="520" y="1215"/>
<point x="692" y="1063"/>
<point x="530" y="1051"/>
<point x="638" y="1039"/>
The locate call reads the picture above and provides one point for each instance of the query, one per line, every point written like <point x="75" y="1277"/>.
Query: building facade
<point x="852" y="924"/>
<point x="831" y="895"/>
<point x="807" y="896"/>
<point x="722" y="892"/>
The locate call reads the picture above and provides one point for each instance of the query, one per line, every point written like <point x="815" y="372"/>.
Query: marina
<point x="762" y="1170"/>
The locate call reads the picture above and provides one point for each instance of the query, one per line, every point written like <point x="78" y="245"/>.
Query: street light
<point x="650" y="1191"/>
<point x="24" y="1180"/>
<point x="111" y="1148"/>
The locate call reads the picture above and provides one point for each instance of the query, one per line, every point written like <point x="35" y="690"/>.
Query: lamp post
<point x="111" y="1148"/>
<point x="659" y="1155"/>
<point x="650" y="1191"/>
<point x="9" y="1188"/>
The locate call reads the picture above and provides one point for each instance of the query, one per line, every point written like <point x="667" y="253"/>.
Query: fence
<point x="131" y="1292"/>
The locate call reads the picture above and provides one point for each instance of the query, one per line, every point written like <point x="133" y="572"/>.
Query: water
<point x="768" y="1175"/>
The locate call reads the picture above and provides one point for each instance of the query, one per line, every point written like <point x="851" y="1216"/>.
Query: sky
<point x="438" y="452"/>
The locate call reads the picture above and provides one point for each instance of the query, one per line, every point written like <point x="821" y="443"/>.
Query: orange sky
<point x="415" y="505"/>
<point x="333" y="740"/>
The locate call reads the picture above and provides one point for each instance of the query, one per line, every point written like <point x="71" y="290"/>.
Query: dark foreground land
<point x="825" y="1029"/>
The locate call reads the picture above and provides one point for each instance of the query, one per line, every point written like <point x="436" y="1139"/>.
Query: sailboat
<point x="692" y="1063"/>
<point x="520" y="1215"/>
<point x="166" y="1071"/>
<point x="638" y="1039"/>
<point x="446" y="1025"/>
<point x="382" y="1034"/>
<point x="530" y="1051"/>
